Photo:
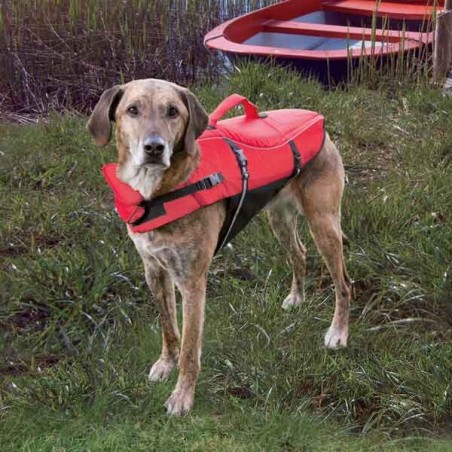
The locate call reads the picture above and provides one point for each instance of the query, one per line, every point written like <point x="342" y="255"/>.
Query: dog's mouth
<point x="154" y="161"/>
<point x="157" y="168"/>
<point x="161" y="161"/>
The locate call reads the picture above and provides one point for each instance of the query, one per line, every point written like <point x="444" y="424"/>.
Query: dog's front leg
<point x="162" y="287"/>
<point x="193" y="299"/>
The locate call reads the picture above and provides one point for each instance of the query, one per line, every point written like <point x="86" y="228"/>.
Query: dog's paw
<point x="336" y="338"/>
<point x="161" y="369"/>
<point x="293" y="299"/>
<point x="180" y="402"/>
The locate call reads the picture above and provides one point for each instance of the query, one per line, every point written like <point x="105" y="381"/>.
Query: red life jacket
<point x="245" y="160"/>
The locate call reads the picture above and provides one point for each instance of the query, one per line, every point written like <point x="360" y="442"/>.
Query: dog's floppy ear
<point x="99" y="124"/>
<point x="197" y="121"/>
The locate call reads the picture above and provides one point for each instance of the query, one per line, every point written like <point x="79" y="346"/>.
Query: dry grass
<point x="58" y="54"/>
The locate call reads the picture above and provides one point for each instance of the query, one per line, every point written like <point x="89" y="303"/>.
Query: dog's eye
<point x="132" y="110"/>
<point x="173" y="112"/>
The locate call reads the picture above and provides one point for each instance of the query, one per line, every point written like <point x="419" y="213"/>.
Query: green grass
<point x="79" y="329"/>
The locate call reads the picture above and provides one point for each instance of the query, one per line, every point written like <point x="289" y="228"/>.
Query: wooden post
<point x="442" y="56"/>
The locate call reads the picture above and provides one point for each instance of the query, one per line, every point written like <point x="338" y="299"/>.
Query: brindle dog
<point x="157" y="124"/>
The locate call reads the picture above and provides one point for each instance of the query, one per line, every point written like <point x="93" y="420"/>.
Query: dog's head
<point x="154" y="120"/>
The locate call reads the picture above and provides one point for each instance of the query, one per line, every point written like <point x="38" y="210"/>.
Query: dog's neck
<point x="152" y="181"/>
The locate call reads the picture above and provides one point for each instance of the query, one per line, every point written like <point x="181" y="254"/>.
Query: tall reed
<point x="62" y="53"/>
<point x="375" y="67"/>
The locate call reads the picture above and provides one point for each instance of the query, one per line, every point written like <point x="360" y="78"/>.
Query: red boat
<point x="323" y="36"/>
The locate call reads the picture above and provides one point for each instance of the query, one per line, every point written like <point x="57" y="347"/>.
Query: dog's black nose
<point x="154" y="145"/>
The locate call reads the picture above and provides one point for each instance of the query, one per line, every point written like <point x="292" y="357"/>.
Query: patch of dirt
<point x="241" y="392"/>
<point x="39" y="240"/>
<point x="243" y="274"/>
<point x="12" y="251"/>
<point x="33" y="366"/>
<point x="363" y="289"/>
<point x="364" y="409"/>
<point x="367" y="167"/>
<point x="30" y="319"/>
<point x="43" y="241"/>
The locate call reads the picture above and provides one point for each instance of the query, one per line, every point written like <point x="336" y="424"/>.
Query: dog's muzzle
<point x="154" y="148"/>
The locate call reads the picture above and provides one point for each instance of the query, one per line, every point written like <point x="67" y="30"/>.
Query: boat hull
<point x="326" y="38"/>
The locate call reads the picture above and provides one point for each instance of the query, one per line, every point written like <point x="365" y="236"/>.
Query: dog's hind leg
<point x="320" y="195"/>
<point x="325" y="230"/>
<point x="283" y="215"/>
<point x="162" y="287"/>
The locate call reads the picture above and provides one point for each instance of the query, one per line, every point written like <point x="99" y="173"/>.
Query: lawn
<point x="79" y="328"/>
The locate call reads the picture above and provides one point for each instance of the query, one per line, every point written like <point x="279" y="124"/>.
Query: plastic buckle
<point x="210" y="181"/>
<point x="243" y="162"/>
<point x="202" y="184"/>
<point x="216" y="179"/>
<point x="242" y="159"/>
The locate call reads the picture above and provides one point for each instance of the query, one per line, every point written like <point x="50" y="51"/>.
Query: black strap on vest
<point x="296" y="158"/>
<point x="240" y="211"/>
<point x="155" y="208"/>
<point x="243" y="165"/>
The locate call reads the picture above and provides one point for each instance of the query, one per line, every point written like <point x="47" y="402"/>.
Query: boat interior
<point x="339" y="24"/>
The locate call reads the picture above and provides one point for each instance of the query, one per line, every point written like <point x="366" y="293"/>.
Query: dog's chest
<point x="145" y="243"/>
<point x="152" y="248"/>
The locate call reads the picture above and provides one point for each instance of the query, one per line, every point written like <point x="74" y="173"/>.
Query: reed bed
<point x="58" y="54"/>
<point x="414" y="66"/>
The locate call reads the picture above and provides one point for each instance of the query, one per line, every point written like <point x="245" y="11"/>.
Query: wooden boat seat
<point x="406" y="11"/>
<point x="335" y="31"/>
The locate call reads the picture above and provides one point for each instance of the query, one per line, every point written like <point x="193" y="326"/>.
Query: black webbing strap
<point x="155" y="208"/>
<point x="296" y="158"/>
<point x="241" y="159"/>
<point x="243" y="165"/>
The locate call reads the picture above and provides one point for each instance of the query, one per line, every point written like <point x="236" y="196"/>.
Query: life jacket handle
<point x="251" y="111"/>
